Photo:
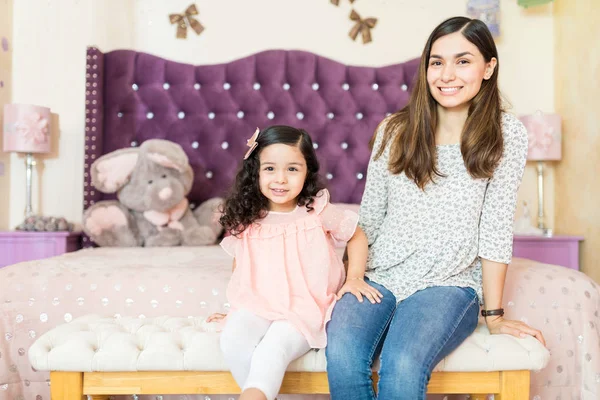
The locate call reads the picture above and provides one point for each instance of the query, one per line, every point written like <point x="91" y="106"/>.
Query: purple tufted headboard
<point x="210" y="110"/>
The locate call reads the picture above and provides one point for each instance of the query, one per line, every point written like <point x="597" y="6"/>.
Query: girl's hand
<point x="216" y="317"/>
<point x="360" y="288"/>
<point x="515" y="328"/>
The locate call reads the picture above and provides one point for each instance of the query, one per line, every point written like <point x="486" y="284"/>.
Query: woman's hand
<point x="511" y="327"/>
<point x="216" y="317"/>
<point x="360" y="288"/>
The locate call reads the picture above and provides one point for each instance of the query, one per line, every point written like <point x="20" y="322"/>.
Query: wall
<point x="234" y="29"/>
<point x="5" y="96"/>
<point x="577" y="83"/>
<point x="49" y="43"/>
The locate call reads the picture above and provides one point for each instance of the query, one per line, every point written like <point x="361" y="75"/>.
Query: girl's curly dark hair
<point x="245" y="203"/>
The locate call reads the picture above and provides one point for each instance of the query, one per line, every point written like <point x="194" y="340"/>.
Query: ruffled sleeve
<point x="230" y="244"/>
<point x="339" y="223"/>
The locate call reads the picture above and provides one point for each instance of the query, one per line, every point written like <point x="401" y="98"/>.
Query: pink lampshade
<point x="544" y="135"/>
<point x="26" y="128"/>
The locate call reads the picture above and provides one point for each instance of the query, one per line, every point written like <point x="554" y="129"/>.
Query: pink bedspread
<point x="36" y="296"/>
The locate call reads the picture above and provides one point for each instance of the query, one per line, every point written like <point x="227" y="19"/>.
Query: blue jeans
<point x="412" y="336"/>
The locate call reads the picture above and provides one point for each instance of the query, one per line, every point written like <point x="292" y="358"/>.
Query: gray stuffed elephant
<point x="151" y="182"/>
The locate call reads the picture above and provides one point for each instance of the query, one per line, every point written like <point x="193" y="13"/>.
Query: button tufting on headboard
<point x="210" y="110"/>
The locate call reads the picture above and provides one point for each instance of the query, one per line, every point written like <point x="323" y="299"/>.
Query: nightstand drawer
<point x="20" y="246"/>
<point x="557" y="250"/>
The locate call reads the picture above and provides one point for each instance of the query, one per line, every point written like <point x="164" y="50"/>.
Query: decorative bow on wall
<point x="186" y="19"/>
<point x="337" y="2"/>
<point x="362" y="26"/>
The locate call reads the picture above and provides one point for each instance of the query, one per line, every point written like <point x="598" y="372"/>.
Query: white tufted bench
<point x="100" y="356"/>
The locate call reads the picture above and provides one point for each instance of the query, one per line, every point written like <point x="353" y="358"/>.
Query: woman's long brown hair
<point x="412" y="129"/>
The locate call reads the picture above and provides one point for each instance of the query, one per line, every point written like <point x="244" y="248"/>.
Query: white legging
<point x="258" y="351"/>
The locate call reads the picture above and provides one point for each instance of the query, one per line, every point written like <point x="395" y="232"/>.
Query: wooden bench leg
<point x="66" y="385"/>
<point x="478" y="396"/>
<point x="514" y="385"/>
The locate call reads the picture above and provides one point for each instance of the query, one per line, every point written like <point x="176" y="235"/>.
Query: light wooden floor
<point x="506" y="385"/>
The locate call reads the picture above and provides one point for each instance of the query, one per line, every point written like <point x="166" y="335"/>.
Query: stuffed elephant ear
<point x="112" y="171"/>
<point x="170" y="155"/>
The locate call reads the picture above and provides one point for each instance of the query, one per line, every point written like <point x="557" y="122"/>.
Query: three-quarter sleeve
<point x="496" y="223"/>
<point x="373" y="206"/>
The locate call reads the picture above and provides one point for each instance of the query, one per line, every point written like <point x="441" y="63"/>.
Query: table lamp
<point x="27" y="130"/>
<point x="544" y="133"/>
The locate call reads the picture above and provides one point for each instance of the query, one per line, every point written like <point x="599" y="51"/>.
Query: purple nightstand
<point x="558" y="250"/>
<point x="18" y="246"/>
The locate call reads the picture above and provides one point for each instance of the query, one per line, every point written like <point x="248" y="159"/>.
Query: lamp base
<point x="540" y="217"/>
<point x="547" y="232"/>
<point x="29" y="163"/>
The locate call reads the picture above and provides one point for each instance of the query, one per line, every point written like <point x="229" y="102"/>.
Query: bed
<point x="210" y="110"/>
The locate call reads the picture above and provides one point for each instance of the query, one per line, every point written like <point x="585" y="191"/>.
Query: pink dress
<point x="287" y="267"/>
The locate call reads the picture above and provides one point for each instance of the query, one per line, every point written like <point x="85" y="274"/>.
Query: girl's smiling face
<point x="282" y="175"/>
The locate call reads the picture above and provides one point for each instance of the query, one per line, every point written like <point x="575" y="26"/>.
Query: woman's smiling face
<point x="455" y="70"/>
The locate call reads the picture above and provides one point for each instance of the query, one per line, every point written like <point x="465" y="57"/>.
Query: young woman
<point x="437" y="211"/>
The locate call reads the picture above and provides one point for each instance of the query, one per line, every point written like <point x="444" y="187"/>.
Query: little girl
<point x="286" y="273"/>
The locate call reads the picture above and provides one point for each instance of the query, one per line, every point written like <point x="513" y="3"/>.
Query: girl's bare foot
<point x="252" y="394"/>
